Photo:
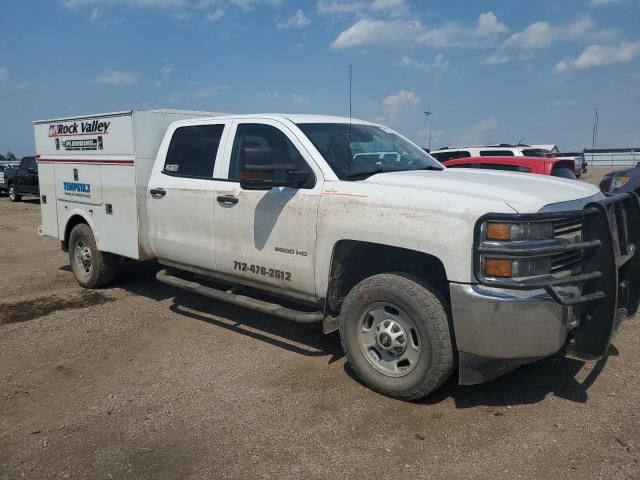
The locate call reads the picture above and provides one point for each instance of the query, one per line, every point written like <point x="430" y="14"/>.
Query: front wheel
<point x="13" y="194"/>
<point x="91" y="267"/>
<point x="395" y="333"/>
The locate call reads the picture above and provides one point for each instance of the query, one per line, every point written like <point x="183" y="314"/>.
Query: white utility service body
<point x="120" y="178"/>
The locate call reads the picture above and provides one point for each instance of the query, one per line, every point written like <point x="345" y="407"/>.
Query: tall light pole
<point x="427" y="114"/>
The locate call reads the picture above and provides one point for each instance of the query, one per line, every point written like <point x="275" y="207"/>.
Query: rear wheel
<point x="13" y="194"/>
<point x="91" y="267"/>
<point x="395" y="333"/>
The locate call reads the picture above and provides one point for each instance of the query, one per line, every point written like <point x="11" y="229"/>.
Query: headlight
<point x="516" y="267"/>
<point x="513" y="232"/>
<point x="515" y="244"/>
<point x="618" y="182"/>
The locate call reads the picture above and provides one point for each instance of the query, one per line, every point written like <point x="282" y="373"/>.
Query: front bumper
<point x="500" y="324"/>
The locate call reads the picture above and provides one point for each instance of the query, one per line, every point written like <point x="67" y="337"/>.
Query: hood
<point x="526" y="193"/>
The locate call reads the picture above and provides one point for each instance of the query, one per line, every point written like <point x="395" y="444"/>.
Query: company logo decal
<point x="77" y="189"/>
<point x="83" y="144"/>
<point x="79" y="128"/>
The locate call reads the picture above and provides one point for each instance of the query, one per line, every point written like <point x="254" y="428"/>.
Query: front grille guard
<point x="609" y="277"/>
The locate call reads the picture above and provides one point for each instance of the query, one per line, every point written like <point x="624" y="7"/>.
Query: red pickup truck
<point x="541" y="165"/>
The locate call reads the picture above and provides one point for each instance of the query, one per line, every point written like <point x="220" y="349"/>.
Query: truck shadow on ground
<point x="308" y="340"/>
<point x="529" y="384"/>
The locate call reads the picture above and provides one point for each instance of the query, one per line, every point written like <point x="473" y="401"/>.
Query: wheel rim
<point x="84" y="258"/>
<point x="389" y="339"/>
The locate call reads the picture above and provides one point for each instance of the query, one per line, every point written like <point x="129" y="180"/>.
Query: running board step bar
<point x="241" y="300"/>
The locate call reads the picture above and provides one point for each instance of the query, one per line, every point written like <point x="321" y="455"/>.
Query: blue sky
<point x="494" y="71"/>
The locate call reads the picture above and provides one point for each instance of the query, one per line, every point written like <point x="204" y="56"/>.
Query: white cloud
<point x="600" y="56"/>
<point x="393" y="104"/>
<point x="4" y="73"/>
<point x="167" y="70"/>
<point x="297" y="20"/>
<point x="214" y="16"/>
<point x="96" y="14"/>
<point x="412" y="33"/>
<point x="300" y="99"/>
<point x="488" y="24"/>
<point x="542" y="34"/>
<point x="114" y="77"/>
<point x="438" y="65"/>
<point x="378" y="33"/>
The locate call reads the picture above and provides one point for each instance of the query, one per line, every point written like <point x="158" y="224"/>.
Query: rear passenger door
<point x="181" y="191"/>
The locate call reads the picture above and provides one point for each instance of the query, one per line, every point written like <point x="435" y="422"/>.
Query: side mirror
<point x="260" y="170"/>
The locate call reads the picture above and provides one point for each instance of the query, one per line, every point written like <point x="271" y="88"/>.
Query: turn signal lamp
<point x="498" y="231"/>
<point x="498" y="267"/>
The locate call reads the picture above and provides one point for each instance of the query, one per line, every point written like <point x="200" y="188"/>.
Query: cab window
<point x="192" y="151"/>
<point x="258" y="135"/>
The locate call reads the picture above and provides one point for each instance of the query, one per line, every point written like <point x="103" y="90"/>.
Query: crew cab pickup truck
<point x="22" y="180"/>
<point x="421" y="268"/>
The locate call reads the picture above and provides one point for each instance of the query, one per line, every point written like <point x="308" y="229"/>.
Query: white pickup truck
<point x="423" y="269"/>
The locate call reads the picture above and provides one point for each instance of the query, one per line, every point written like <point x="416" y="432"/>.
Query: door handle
<point x="158" y="192"/>
<point x="227" y="199"/>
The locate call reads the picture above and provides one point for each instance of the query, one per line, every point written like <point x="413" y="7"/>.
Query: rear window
<point x="446" y="156"/>
<point x="535" y="152"/>
<point x="192" y="151"/>
<point x="496" y="153"/>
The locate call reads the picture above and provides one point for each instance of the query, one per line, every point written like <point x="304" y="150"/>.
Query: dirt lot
<point x="142" y="381"/>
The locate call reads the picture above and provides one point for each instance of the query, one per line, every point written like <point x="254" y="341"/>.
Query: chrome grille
<point x="569" y="229"/>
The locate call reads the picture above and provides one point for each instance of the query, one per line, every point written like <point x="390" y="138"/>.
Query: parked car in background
<point x="499" y="150"/>
<point x="507" y="150"/>
<point x="577" y="157"/>
<point x="4" y="165"/>
<point x="22" y="180"/>
<point x="554" y="167"/>
<point x="627" y="180"/>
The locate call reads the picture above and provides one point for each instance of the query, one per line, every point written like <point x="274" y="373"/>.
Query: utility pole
<point x="427" y="114"/>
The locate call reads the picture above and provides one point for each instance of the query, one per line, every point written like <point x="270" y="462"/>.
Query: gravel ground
<point x="142" y="381"/>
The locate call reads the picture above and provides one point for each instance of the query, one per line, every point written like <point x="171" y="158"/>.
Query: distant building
<point x="612" y="157"/>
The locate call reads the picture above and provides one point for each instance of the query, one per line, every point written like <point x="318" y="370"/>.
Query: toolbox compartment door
<point x="79" y="182"/>
<point x="48" y="203"/>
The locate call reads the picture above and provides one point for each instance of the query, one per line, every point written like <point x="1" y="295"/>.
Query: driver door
<point x="268" y="237"/>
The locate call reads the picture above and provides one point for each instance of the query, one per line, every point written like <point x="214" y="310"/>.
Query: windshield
<point x="358" y="151"/>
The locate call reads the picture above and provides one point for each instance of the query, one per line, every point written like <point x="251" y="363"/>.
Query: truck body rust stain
<point x="39" y="307"/>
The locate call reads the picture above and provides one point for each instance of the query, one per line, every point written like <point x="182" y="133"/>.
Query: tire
<point x="91" y="267"/>
<point x="13" y="194"/>
<point x="405" y="304"/>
